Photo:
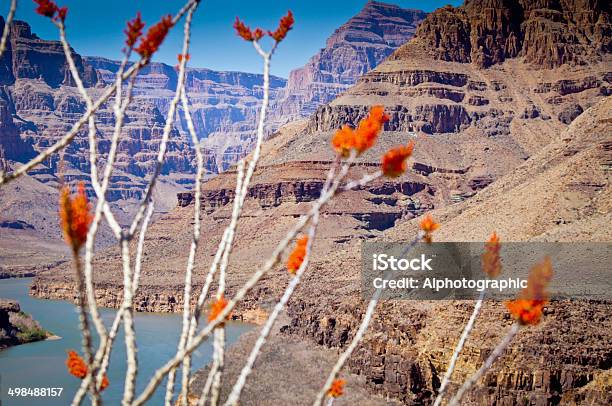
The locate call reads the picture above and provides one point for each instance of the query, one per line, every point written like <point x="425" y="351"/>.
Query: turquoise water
<point x="42" y="364"/>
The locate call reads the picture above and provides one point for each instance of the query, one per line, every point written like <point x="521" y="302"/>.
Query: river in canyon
<point x="42" y="364"/>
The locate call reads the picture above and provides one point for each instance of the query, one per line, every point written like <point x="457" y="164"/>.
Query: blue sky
<point x="96" y="28"/>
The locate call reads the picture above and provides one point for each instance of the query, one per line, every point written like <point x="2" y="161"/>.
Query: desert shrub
<point x="28" y="329"/>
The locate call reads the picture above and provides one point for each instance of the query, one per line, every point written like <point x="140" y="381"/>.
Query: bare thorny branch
<point x="143" y="215"/>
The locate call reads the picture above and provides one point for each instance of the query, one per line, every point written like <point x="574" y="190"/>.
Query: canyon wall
<point x="353" y="49"/>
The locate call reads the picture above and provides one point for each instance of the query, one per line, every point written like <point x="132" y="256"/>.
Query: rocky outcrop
<point x="544" y="33"/>
<point x="267" y="195"/>
<point x="17" y="327"/>
<point x="352" y="50"/>
<point x="394" y="366"/>
<point x="29" y="57"/>
<point x="570" y="113"/>
<point x="428" y="118"/>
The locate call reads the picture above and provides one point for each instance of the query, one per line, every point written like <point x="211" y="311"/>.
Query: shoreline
<point x="148" y="300"/>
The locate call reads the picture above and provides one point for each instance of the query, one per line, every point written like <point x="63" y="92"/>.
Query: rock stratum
<point x="516" y="144"/>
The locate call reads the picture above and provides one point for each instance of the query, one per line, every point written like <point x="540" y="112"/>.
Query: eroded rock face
<point x="428" y="118"/>
<point x="545" y="33"/>
<point x="224" y="104"/>
<point x="352" y="50"/>
<point x="406" y="355"/>
<point x="541" y="64"/>
<point x="29" y="57"/>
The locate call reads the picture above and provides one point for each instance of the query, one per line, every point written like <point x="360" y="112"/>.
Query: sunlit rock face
<point x="353" y="49"/>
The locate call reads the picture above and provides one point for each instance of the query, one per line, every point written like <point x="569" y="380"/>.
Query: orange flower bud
<point x="216" y="308"/>
<point x="46" y="8"/>
<point x="364" y="137"/>
<point x="337" y="388"/>
<point x="491" y="262"/>
<point x="344" y="140"/>
<point x="527" y="308"/>
<point x="428" y="225"/>
<point x="75" y="216"/>
<point x="284" y="26"/>
<point x="527" y="312"/>
<point x="104" y="384"/>
<point x="258" y="34"/>
<point x="369" y="128"/>
<point x="76" y="366"/>
<point x="243" y="30"/>
<point x="62" y="13"/>
<point x="297" y="256"/>
<point x="133" y="30"/>
<point x="180" y="57"/>
<point x="394" y="161"/>
<point x="154" y="37"/>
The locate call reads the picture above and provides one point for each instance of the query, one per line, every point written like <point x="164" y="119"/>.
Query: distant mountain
<point x="353" y="49"/>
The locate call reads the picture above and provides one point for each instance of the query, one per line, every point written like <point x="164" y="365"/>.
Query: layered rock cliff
<point x="352" y="50"/>
<point x="479" y="69"/>
<point x="29" y="57"/>
<point x="224" y="105"/>
<point x="39" y="103"/>
<point x="545" y="33"/>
